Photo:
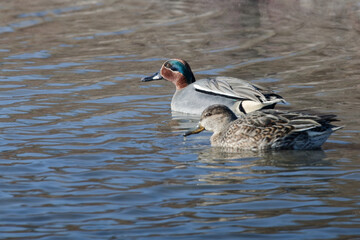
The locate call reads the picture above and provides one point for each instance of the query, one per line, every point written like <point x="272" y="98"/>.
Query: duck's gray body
<point x="191" y="101"/>
<point x="193" y="96"/>
<point x="238" y="95"/>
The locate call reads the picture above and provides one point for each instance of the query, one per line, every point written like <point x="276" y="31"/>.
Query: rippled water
<point x="90" y="152"/>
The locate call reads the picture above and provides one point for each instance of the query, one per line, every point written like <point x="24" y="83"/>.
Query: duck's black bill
<point x="198" y="129"/>
<point x="155" y="76"/>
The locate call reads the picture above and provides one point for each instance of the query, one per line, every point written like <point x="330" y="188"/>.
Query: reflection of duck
<point x="276" y="158"/>
<point x="267" y="129"/>
<point x="239" y="166"/>
<point x="194" y="96"/>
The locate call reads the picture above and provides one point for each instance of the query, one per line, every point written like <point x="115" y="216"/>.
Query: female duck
<point x="193" y="97"/>
<point x="267" y="129"/>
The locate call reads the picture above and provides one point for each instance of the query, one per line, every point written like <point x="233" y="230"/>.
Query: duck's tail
<point x="335" y="128"/>
<point x="247" y="106"/>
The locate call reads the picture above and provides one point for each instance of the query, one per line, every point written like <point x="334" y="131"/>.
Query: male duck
<point x="193" y="97"/>
<point x="267" y="129"/>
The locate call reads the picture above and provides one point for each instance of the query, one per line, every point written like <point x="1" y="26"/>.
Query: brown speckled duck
<point x="266" y="129"/>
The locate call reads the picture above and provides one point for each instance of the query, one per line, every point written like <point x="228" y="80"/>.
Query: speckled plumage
<point x="193" y="97"/>
<point x="266" y="129"/>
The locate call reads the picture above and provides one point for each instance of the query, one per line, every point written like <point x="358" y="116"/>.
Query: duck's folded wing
<point x="299" y="121"/>
<point x="244" y="90"/>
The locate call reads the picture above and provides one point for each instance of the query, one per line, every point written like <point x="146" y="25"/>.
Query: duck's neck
<point x="181" y="83"/>
<point x="220" y="133"/>
<point x="215" y="140"/>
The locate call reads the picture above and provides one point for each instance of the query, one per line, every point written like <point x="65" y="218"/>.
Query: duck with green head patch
<point x="193" y="97"/>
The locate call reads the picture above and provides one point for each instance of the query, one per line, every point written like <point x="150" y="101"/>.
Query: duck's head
<point x="177" y="71"/>
<point x="214" y="118"/>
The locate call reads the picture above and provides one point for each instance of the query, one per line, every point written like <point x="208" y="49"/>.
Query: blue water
<point x="88" y="151"/>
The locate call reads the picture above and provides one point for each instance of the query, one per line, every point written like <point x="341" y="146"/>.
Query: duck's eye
<point x="170" y="66"/>
<point x="167" y="65"/>
<point x="208" y="114"/>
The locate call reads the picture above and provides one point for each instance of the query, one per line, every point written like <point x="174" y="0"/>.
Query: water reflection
<point x="241" y="163"/>
<point x="276" y="158"/>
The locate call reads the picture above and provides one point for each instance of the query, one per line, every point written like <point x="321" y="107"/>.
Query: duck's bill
<point x="198" y="129"/>
<point x="155" y="76"/>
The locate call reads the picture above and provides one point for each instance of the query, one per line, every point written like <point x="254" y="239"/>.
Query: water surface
<point x="90" y="152"/>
